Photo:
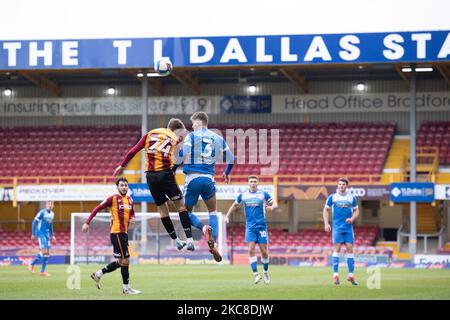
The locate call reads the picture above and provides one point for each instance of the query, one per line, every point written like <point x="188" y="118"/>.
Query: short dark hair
<point x="253" y="177"/>
<point x="175" y="124"/>
<point x="345" y="180"/>
<point x="121" y="179"/>
<point x="200" y="115"/>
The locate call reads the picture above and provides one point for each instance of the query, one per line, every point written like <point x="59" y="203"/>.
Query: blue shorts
<point x="343" y="237"/>
<point x="257" y="235"/>
<point x="44" y="242"/>
<point x="201" y="186"/>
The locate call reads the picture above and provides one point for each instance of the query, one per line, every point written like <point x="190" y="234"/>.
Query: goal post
<point x="149" y="243"/>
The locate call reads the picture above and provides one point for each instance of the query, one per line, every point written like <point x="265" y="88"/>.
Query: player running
<point x="122" y="213"/>
<point x="42" y="229"/>
<point x="159" y="145"/>
<point x="201" y="150"/>
<point x="255" y="202"/>
<point x="345" y="211"/>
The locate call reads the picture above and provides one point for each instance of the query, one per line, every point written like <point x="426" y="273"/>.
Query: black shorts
<point x="120" y="245"/>
<point x="163" y="186"/>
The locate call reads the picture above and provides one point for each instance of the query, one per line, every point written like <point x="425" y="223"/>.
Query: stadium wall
<point x="315" y="87"/>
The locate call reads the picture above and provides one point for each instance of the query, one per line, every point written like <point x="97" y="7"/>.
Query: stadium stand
<point x="69" y="151"/>
<point x="436" y="134"/>
<point x="75" y="151"/>
<point x="310" y="150"/>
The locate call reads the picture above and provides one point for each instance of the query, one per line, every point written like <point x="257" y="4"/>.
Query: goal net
<point x="149" y="243"/>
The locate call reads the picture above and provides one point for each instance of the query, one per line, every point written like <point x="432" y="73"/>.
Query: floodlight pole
<point x="412" y="168"/>
<point x="144" y="130"/>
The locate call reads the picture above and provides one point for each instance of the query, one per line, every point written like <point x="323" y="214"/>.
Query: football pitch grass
<point x="223" y="282"/>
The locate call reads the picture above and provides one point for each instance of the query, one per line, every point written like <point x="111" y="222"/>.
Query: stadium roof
<point x="193" y="78"/>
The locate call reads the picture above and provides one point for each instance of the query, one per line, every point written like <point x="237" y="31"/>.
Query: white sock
<point x="204" y="229"/>
<point x="350" y="274"/>
<point x="125" y="287"/>
<point x="255" y="273"/>
<point x="99" y="273"/>
<point x="335" y="274"/>
<point x="190" y="240"/>
<point x="266" y="271"/>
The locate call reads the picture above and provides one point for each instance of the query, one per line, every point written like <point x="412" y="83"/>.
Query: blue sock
<point x="195" y="221"/>
<point x="265" y="263"/>
<point x="44" y="263"/>
<point x="351" y="262"/>
<point x="253" y="261"/>
<point x="36" y="259"/>
<point x="214" y="225"/>
<point x="335" y="262"/>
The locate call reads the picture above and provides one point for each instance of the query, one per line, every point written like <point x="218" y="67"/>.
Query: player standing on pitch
<point x="122" y="213"/>
<point x="345" y="211"/>
<point x="200" y="150"/>
<point x="255" y="202"/>
<point x="159" y="145"/>
<point x="42" y="229"/>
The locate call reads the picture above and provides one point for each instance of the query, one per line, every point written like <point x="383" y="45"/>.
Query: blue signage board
<point x="412" y="192"/>
<point x="140" y="192"/>
<point x="394" y="47"/>
<point x="246" y="104"/>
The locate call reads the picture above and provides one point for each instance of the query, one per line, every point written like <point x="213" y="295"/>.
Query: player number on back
<point x="160" y="145"/>
<point x="207" y="151"/>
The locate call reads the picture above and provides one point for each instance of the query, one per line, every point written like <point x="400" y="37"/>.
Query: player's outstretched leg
<point x="208" y="232"/>
<point x="211" y="244"/>
<point x="96" y="276"/>
<point x="214" y="224"/>
<point x="36" y="259"/>
<point x="336" y="268"/>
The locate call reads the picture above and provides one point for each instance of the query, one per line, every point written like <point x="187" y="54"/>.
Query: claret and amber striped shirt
<point x="121" y="209"/>
<point x="159" y="145"/>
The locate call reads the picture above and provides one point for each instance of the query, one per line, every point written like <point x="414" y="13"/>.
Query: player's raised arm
<point x="106" y="203"/>
<point x="131" y="153"/>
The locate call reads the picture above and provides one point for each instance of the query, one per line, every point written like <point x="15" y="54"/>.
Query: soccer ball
<point x="163" y="67"/>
